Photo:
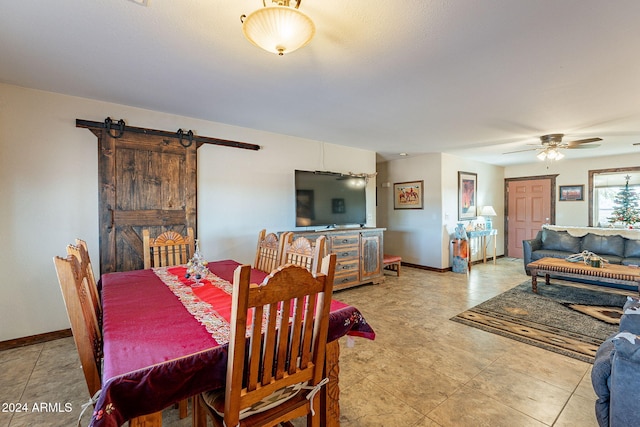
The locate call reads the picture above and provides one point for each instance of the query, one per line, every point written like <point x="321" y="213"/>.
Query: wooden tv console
<point x="359" y="254"/>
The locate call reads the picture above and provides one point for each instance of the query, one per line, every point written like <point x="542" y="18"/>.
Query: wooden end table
<point x="611" y="273"/>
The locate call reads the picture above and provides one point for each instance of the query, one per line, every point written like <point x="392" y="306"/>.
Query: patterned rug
<point x="565" y="317"/>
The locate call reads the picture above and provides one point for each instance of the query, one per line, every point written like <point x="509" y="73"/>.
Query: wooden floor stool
<point x="392" y="262"/>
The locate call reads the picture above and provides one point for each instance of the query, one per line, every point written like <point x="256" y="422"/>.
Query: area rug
<point x="565" y="317"/>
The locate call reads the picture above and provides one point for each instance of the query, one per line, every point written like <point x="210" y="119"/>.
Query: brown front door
<point x="146" y="181"/>
<point x="529" y="205"/>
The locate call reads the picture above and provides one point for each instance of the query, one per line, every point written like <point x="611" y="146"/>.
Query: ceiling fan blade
<point x="574" y="144"/>
<point x="520" y="151"/>
<point x="580" y="147"/>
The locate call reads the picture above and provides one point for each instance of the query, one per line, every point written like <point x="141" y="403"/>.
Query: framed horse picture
<point x="408" y="195"/>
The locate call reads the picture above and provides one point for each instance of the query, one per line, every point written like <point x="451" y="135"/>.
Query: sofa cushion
<point x="600" y="374"/>
<point x="631" y="261"/>
<point x="623" y="385"/>
<point x="603" y="245"/>
<point x="612" y="259"/>
<point x="560" y="241"/>
<point x="632" y="248"/>
<point x="627" y="346"/>
<point x="544" y="253"/>
<point x="630" y="320"/>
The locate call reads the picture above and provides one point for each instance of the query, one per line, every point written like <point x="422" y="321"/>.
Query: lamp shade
<point x="278" y="29"/>
<point x="488" y="211"/>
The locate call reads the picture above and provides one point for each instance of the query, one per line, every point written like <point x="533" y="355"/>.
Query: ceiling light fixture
<point x="550" y="153"/>
<point x="280" y="28"/>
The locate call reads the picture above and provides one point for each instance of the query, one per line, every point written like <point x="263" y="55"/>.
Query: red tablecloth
<point x="156" y="353"/>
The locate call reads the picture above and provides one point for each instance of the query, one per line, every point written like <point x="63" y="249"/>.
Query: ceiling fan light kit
<point x="551" y="144"/>
<point x="279" y="28"/>
<point x="550" y="154"/>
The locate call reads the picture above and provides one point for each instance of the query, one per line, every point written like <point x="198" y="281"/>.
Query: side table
<point x="480" y="237"/>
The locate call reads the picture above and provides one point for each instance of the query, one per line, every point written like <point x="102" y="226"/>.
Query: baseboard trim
<point x="34" y="339"/>
<point x="444" y="270"/>
<point x="424" y="267"/>
<point x="489" y="260"/>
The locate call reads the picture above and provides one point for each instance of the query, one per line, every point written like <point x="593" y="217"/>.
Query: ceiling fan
<point x="551" y="144"/>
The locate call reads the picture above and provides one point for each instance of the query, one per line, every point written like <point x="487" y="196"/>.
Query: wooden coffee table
<point x="611" y="273"/>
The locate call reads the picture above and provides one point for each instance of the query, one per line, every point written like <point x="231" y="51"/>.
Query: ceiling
<point x="468" y="77"/>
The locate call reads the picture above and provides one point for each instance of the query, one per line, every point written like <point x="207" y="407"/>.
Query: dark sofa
<point x="560" y="244"/>
<point x="616" y="372"/>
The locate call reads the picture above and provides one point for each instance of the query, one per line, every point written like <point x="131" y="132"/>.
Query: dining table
<point x="165" y="340"/>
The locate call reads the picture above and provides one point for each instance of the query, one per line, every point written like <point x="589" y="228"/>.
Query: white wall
<point x="572" y="172"/>
<point x="490" y="193"/>
<point x="422" y="236"/>
<point x="412" y="232"/>
<point x="49" y="192"/>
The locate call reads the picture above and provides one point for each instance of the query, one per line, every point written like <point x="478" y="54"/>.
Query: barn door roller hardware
<point x="186" y="139"/>
<point x="189" y="138"/>
<point x="108" y="125"/>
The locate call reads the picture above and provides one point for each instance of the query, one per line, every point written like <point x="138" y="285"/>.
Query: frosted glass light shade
<point x="278" y="29"/>
<point x="550" y="153"/>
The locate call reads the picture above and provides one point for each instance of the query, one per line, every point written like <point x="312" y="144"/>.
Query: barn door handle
<point x="112" y="216"/>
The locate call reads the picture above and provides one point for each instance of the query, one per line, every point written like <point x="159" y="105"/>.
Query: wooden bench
<point x="392" y="262"/>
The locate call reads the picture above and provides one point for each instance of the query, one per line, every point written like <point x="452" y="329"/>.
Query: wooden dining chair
<point x="268" y="251"/>
<point x="84" y="325"/>
<point x="169" y="248"/>
<point x="80" y="251"/>
<point x="302" y="252"/>
<point x="274" y="371"/>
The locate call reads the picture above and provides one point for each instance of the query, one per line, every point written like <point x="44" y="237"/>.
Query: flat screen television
<point x="329" y="199"/>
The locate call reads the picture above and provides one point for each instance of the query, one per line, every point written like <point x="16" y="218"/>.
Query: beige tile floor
<point x="422" y="370"/>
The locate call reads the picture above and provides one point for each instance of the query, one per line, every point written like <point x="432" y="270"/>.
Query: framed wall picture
<point x="467" y="195"/>
<point x="408" y="195"/>
<point x="571" y="193"/>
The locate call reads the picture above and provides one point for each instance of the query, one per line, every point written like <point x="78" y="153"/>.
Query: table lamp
<point x="487" y="212"/>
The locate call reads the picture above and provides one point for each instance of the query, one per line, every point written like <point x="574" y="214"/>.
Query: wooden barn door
<point x="146" y="181"/>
